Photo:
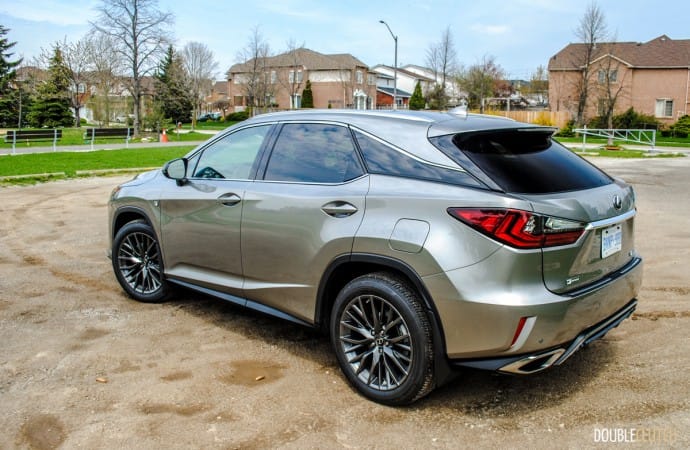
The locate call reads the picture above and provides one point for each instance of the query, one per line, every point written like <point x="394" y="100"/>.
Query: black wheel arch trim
<point x="442" y="368"/>
<point x="130" y="210"/>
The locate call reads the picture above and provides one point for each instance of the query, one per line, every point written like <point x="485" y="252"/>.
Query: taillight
<point x="520" y="229"/>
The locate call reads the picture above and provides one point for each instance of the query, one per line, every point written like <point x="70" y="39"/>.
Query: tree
<point x="10" y="90"/>
<point x="479" y="81"/>
<point x="107" y="63"/>
<point x="539" y="84"/>
<point x="591" y="31"/>
<point x="441" y="58"/>
<point x="174" y="100"/>
<point x="200" y="66"/>
<point x="307" y="96"/>
<point x="77" y="60"/>
<point x="51" y="107"/>
<point x="610" y="85"/>
<point x="139" y="31"/>
<point x="293" y="77"/>
<point x="417" y="100"/>
<point x="254" y="57"/>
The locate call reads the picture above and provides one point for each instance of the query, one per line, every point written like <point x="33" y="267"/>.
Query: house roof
<point x="389" y="91"/>
<point x="661" y="52"/>
<point x="402" y="71"/>
<point x="309" y="59"/>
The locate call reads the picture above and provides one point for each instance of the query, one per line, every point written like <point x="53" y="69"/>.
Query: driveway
<point x="83" y="366"/>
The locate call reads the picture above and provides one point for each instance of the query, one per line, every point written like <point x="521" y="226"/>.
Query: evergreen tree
<point x="51" y="106"/>
<point x="173" y="96"/>
<point x="417" y="100"/>
<point x="307" y="96"/>
<point x="9" y="92"/>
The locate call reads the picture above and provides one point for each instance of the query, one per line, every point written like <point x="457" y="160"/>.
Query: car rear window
<point x="527" y="161"/>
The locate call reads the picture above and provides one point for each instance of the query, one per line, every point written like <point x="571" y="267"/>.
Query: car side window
<point x="233" y="157"/>
<point x="383" y="159"/>
<point x="314" y="153"/>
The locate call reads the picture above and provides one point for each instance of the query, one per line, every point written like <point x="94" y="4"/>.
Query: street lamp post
<point x="395" y="67"/>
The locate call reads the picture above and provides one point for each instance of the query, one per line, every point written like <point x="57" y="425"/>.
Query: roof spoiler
<point x="459" y="111"/>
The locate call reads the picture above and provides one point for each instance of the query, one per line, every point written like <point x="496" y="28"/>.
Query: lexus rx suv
<point x="421" y="242"/>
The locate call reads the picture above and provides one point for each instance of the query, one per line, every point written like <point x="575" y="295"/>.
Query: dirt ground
<point x="81" y="366"/>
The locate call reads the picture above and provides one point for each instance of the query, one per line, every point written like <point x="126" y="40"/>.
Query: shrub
<point x="543" y="118"/>
<point x="238" y="116"/>
<point x="628" y="120"/>
<point x="567" y="130"/>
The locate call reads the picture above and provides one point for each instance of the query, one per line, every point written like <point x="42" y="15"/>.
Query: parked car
<point x="420" y="242"/>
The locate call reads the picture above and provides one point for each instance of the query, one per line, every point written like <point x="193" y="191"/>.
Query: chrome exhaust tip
<point x="533" y="363"/>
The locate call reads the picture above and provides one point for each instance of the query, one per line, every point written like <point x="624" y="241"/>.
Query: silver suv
<point x="421" y="242"/>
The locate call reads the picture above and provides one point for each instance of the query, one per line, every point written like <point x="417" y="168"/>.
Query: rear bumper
<point x="538" y="361"/>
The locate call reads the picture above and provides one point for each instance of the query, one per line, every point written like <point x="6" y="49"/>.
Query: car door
<point x="201" y="220"/>
<point x="302" y="214"/>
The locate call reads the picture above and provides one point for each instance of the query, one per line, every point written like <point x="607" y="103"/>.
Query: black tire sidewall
<point x="417" y="323"/>
<point x="130" y="228"/>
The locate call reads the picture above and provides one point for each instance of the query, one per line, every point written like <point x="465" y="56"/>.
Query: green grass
<point x="625" y="153"/>
<point x="75" y="136"/>
<point x="100" y="160"/>
<point x="660" y="142"/>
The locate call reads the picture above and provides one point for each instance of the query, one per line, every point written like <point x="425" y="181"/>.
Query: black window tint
<point x="529" y="162"/>
<point x="313" y="153"/>
<point x="385" y="160"/>
<point x="233" y="156"/>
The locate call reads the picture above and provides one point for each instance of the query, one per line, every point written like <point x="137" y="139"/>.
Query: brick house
<point x="337" y="81"/>
<point x="651" y="77"/>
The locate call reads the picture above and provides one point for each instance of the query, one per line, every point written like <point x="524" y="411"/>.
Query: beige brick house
<point x="651" y="77"/>
<point x="337" y="81"/>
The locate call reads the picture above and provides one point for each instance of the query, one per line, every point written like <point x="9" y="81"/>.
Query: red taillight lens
<point x="518" y="228"/>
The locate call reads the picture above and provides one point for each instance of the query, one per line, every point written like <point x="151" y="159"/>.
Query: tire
<point x="383" y="340"/>
<point x="138" y="264"/>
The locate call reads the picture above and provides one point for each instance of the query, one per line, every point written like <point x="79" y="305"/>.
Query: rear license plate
<point x="611" y="240"/>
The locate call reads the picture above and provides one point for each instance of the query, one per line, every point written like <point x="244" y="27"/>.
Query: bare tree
<point x="441" y="58"/>
<point x="254" y="57"/>
<point x="610" y="85"/>
<point x="200" y="65"/>
<point x="107" y="64"/>
<point x="539" y="84"/>
<point x="140" y="32"/>
<point x="293" y="79"/>
<point x="480" y="81"/>
<point x="591" y="31"/>
<point x="78" y="62"/>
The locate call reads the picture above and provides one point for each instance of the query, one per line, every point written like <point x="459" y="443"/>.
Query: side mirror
<point x="176" y="170"/>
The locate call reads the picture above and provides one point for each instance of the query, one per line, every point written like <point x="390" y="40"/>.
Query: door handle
<point x="339" y="209"/>
<point x="229" y="199"/>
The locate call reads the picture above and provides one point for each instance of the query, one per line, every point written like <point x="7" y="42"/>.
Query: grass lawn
<point x="660" y="142"/>
<point x="71" y="162"/>
<point x="75" y="136"/>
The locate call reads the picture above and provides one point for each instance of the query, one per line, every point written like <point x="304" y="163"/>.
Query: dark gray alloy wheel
<point x="137" y="263"/>
<point x="382" y="339"/>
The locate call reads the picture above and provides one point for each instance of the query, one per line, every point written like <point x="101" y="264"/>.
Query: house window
<point x="296" y="101"/>
<point x="612" y="76"/>
<point x="371" y="79"/>
<point x="359" y="77"/>
<point x="293" y="79"/>
<point x="664" y="108"/>
<point x="274" y="77"/>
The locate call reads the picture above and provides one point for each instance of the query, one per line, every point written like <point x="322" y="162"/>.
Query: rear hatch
<point x="567" y="194"/>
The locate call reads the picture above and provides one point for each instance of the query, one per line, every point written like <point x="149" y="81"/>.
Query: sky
<point x="519" y="34"/>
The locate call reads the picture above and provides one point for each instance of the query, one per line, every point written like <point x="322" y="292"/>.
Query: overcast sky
<point x="519" y="34"/>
